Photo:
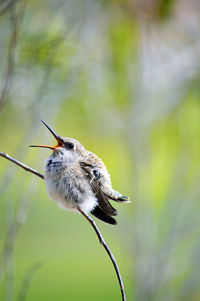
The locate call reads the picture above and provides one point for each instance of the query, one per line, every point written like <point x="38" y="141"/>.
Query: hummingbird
<point x="78" y="179"/>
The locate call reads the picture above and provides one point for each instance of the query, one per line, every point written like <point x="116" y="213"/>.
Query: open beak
<point x="58" y="138"/>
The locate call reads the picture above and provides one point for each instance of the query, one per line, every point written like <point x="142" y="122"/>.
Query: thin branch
<point x="27" y="168"/>
<point x="90" y="220"/>
<point x="103" y="243"/>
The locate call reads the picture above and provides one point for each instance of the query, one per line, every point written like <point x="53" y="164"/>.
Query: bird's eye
<point x="97" y="174"/>
<point x="69" y="145"/>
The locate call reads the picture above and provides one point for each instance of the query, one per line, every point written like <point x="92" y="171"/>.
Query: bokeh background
<point x="121" y="76"/>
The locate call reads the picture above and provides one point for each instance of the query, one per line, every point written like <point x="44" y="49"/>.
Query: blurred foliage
<point x="123" y="78"/>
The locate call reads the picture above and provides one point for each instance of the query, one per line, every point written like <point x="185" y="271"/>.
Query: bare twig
<point x="27" y="168"/>
<point x="90" y="220"/>
<point x="102" y="241"/>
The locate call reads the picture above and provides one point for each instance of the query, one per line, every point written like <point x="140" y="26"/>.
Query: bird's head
<point x="68" y="147"/>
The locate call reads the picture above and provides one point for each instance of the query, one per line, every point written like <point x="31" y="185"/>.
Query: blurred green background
<point x="121" y="76"/>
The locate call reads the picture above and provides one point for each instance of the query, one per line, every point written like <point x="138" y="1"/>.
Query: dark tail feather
<point x="99" y="213"/>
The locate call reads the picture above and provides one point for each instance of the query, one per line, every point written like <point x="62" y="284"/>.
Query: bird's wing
<point x="93" y="177"/>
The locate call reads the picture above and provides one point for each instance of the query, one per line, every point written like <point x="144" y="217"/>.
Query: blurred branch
<point x="10" y="60"/>
<point x="27" y="280"/>
<point x="5" y="5"/>
<point x="14" y="228"/>
<point x="8" y="248"/>
<point x="90" y="220"/>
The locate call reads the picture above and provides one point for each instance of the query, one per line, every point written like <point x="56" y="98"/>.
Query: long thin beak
<point x="44" y="146"/>
<point x="58" y="138"/>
